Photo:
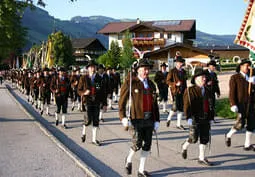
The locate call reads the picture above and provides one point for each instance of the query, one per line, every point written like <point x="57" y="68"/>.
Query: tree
<point x="62" y="49"/>
<point x="111" y="57"/>
<point x="127" y="57"/>
<point x="13" y="35"/>
<point x="115" y="52"/>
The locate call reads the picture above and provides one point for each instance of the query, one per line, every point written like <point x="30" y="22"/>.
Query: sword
<point x="157" y="142"/>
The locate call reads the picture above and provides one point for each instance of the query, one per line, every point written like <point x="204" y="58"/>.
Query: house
<point x="151" y="35"/>
<point x="192" y="55"/>
<point x="233" y="52"/>
<point x="86" y="48"/>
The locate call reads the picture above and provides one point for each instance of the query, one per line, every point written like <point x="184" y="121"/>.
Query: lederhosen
<point x="93" y="100"/>
<point x="143" y="128"/>
<point x="162" y="87"/>
<point x="62" y="96"/>
<point x="111" y="85"/>
<point x="201" y="119"/>
<point x="35" y="89"/>
<point x="46" y="92"/>
<point x="74" y="92"/>
<point x="27" y="84"/>
<point x="117" y="82"/>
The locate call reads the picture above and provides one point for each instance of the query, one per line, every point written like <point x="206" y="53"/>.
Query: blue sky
<point x="212" y="16"/>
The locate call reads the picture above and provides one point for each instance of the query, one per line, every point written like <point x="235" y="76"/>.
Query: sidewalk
<point x="24" y="148"/>
<point x="108" y="160"/>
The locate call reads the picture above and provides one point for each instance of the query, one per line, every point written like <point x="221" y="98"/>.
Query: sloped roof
<point x="164" y="25"/>
<point x="176" y="45"/>
<point x="82" y="42"/>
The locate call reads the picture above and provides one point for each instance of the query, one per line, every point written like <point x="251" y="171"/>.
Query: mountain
<point x="40" y="24"/>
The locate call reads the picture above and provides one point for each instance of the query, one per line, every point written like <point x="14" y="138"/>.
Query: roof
<point x="176" y="45"/>
<point x="82" y="42"/>
<point x="230" y="48"/>
<point x="164" y="25"/>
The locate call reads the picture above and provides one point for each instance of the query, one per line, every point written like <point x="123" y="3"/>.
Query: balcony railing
<point x="148" y="41"/>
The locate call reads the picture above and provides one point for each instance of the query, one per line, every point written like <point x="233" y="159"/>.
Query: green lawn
<point x="223" y="109"/>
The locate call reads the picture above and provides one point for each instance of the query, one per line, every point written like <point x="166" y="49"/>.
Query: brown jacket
<point x="173" y="78"/>
<point x="238" y="93"/>
<point x="194" y="103"/>
<point x="100" y="95"/>
<point x="137" y="99"/>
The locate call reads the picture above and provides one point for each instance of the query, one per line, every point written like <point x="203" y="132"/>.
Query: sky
<point x="212" y="16"/>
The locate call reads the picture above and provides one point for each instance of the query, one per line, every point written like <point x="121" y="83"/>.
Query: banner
<point x="49" y="56"/>
<point x="246" y="35"/>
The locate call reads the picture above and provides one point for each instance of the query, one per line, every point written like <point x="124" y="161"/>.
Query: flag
<point x="246" y="35"/>
<point x="49" y="56"/>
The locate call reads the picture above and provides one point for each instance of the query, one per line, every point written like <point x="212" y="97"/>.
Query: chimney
<point x="138" y="21"/>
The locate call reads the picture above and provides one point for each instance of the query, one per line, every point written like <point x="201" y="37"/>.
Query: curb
<point x="88" y="171"/>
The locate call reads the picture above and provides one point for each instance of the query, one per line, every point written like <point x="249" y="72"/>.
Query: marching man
<point x="177" y="81"/>
<point x="198" y="108"/>
<point x="241" y="100"/>
<point x="91" y="87"/>
<point x="144" y="115"/>
<point x="60" y="86"/>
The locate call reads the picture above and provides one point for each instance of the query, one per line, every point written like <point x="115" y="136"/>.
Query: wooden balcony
<point x="148" y="41"/>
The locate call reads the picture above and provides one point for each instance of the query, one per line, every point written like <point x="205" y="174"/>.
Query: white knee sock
<point x="94" y="134"/>
<point x="83" y="130"/>
<point x="100" y="115"/>
<point x="56" y="116"/>
<point x="164" y="106"/>
<point x="110" y="103"/>
<point x="47" y="109"/>
<point x="42" y="106"/>
<point x="179" y="118"/>
<point x="201" y="152"/>
<point x="231" y="132"/>
<point x="248" y="139"/>
<point x="185" y="145"/>
<point x="130" y="155"/>
<point x="144" y="155"/>
<point x="63" y="119"/>
<point x="170" y="115"/>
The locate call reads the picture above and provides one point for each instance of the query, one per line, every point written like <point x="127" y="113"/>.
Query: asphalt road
<point x="108" y="160"/>
<point x="24" y="149"/>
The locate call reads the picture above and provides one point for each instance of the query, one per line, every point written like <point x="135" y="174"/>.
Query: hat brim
<point x="196" y="75"/>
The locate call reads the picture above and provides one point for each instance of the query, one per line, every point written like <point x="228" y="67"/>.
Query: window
<point x="120" y="36"/>
<point x="169" y="35"/>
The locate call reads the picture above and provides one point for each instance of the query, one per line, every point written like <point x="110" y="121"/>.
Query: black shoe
<point x="166" y="112"/>
<point x="144" y="174"/>
<point x="64" y="126"/>
<point x="36" y="107"/>
<point x="83" y="138"/>
<point x="181" y="127"/>
<point x="204" y="162"/>
<point x="41" y="112"/>
<point x="168" y="123"/>
<point x="128" y="167"/>
<point x="102" y="120"/>
<point x="227" y="141"/>
<point x="32" y="103"/>
<point x="115" y="101"/>
<point x="250" y="148"/>
<point x="97" y="143"/>
<point x="184" y="153"/>
<point x="72" y="108"/>
<point x="56" y="122"/>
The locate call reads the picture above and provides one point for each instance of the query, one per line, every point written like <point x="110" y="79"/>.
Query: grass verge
<point x="222" y="109"/>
